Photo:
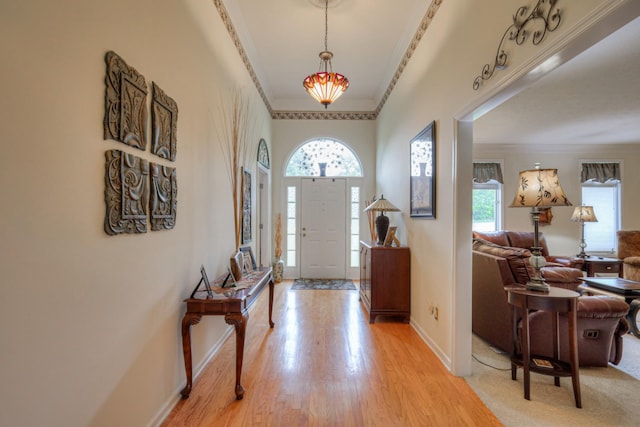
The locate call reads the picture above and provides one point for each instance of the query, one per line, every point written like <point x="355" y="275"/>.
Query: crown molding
<point x="226" y="20"/>
<point x="321" y="115"/>
<point x="324" y="115"/>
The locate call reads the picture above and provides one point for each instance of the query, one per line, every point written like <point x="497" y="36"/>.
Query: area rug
<point x="610" y="396"/>
<point x="324" y="284"/>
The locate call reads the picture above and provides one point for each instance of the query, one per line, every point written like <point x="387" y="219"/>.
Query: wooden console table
<point x="234" y="308"/>
<point x="385" y="280"/>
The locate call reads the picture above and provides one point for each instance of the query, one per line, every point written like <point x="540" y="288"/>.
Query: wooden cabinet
<point x="594" y="265"/>
<point x="385" y="280"/>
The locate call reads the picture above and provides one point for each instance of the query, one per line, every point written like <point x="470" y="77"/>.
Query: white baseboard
<point x="446" y="361"/>
<point x="175" y="397"/>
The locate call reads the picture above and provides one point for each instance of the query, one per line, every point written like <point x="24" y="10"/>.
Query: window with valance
<point x="485" y="172"/>
<point x="601" y="189"/>
<point x="487" y="196"/>
<point x="600" y="172"/>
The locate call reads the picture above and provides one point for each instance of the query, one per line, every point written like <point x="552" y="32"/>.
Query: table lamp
<point x="583" y="214"/>
<point x="538" y="188"/>
<point x="381" y="205"/>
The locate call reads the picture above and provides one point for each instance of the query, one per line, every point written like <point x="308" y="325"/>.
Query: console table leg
<point x="188" y="320"/>
<point x="556" y="344"/>
<point x="271" y="285"/>
<point x="526" y="355"/>
<point x="573" y="352"/>
<point x="239" y="321"/>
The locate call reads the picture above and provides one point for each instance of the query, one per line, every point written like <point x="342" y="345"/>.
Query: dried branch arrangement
<point x="235" y="136"/>
<point x="371" y="217"/>
<point x="278" y="236"/>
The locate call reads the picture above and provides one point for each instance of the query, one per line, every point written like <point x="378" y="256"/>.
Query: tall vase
<point x="278" y="270"/>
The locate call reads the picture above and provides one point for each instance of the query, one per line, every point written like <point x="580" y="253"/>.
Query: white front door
<point x="323" y="228"/>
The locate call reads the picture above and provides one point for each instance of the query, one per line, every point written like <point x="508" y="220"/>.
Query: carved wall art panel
<point x="164" y="122"/>
<point x="126" y="193"/>
<point x="164" y="202"/>
<point x="125" y="115"/>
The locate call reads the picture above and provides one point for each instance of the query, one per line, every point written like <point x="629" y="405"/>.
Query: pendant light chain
<point x="326" y="23"/>
<point x="325" y="86"/>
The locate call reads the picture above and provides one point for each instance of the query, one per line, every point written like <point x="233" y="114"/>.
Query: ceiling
<point x="594" y="98"/>
<point x="283" y="38"/>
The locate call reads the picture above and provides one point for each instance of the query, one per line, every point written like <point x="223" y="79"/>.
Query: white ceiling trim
<point x="326" y="115"/>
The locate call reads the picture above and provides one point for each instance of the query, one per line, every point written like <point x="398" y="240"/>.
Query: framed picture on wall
<point x="246" y="206"/>
<point x="423" y="173"/>
<point x="545" y="216"/>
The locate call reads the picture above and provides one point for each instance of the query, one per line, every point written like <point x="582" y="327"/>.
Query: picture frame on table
<point x="205" y="279"/>
<point x="391" y="236"/>
<point x="248" y="256"/>
<point x="423" y="173"/>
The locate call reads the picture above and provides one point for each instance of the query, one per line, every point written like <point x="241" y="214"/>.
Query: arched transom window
<point x="323" y="157"/>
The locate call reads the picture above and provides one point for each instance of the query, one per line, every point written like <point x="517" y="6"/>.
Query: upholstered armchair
<point x="629" y="253"/>
<point x="524" y="239"/>
<point x="601" y="319"/>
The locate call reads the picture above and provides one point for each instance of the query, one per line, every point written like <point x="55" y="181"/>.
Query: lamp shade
<point x="583" y="214"/>
<point x="381" y="205"/>
<point x="326" y="87"/>
<point x="539" y="188"/>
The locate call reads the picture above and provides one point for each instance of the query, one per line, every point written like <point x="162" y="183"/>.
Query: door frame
<point x="263" y="207"/>
<point x="288" y="181"/>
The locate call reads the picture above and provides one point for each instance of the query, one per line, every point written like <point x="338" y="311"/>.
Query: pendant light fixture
<point x="325" y="86"/>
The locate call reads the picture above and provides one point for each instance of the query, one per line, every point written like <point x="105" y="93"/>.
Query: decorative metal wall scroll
<point x="246" y="206"/>
<point x="164" y="119"/>
<point x="125" y="115"/>
<point x="263" y="153"/>
<point x="126" y="193"/>
<point x="544" y="17"/>
<point x="164" y="202"/>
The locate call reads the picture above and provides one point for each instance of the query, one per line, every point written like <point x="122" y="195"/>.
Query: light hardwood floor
<point x="324" y="365"/>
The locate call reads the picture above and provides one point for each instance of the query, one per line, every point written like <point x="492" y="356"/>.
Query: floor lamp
<point x="381" y="205"/>
<point x="538" y="188"/>
<point x="583" y="214"/>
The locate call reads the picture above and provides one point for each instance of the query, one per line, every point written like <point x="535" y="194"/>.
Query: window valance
<point x="484" y="172"/>
<point x="600" y="172"/>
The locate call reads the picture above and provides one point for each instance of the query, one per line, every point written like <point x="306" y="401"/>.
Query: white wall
<point x="437" y="85"/>
<point x="91" y="322"/>
<point x="562" y="235"/>
<point x="289" y="135"/>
